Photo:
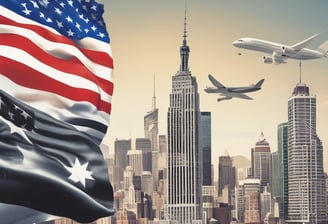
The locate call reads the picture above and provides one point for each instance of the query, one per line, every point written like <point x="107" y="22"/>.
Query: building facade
<point x="205" y="146"/>
<point x="282" y="157"/>
<point x="184" y="158"/>
<point x="306" y="181"/>
<point x="151" y="132"/>
<point x="261" y="161"/>
<point x="227" y="174"/>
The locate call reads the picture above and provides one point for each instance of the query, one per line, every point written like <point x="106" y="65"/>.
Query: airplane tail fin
<point x="259" y="84"/>
<point x="323" y="48"/>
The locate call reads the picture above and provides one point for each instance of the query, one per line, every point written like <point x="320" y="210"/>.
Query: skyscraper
<point x="184" y="164"/>
<point x="205" y="146"/>
<point x="151" y="132"/>
<point x="261" y="161"/>
<point x="121" y="148"/>
<point x="144" y="144"/>
<point x="227" y="174"/>
<point x="306" y="180"/>
<point x="281" y="190"/>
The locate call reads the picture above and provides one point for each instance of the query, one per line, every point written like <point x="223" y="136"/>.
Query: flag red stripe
<point x="98" y="57"/>
<point x="72" y="66"/>
<point x="31" y="78"/>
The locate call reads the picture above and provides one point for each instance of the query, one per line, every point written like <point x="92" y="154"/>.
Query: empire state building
<point x="184" y="162"/>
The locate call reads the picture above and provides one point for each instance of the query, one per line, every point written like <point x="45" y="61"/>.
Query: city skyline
<point x="142" y="47"/>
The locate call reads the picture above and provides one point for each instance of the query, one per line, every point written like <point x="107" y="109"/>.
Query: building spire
<point x="185" y="25"/>
<point x="184" y="49"/>
<point x="154" y="96"/>
<point x="300" y="72"/>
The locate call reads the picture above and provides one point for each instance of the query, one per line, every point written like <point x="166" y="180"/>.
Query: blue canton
<point x="75" y="19"/>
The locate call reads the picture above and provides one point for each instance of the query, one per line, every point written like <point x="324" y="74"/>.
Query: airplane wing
<point x="215" y="82"/>
<point x="243" y="96"/>
<point x="237" y="95"/>
<point x="299" y="46"/>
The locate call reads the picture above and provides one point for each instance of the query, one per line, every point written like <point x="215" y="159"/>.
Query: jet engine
<point x="224" y="98"/>
<point x="267" y="60"/>
<point x="287" y="51"/>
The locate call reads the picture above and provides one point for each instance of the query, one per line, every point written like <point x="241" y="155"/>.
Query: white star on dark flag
<point x="79" y="173"/>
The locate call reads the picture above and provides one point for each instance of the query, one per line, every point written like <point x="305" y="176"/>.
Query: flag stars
<point x="44" y="3"/>
<point x="70" y="33"/>
<point x="42" y="15"/>
<point x="78" y="26"/>
<point x="86" y="20"/>
<point x="94" y="7"/>
<point x="25" y="115"/>
<point x="59" y="24"/>
<point x="35" y="4"/>
<point x="70" y="2"/>
<point x="94" y="28"/>
<point x="62" y="4"/>
<point x="100" y="34"/>
<point x="14" y="129"/>
<point x="79" y="173"/>
<point x="58" y="11"/>
<point x="26" y="11"/>
<point x="69" y="19"/>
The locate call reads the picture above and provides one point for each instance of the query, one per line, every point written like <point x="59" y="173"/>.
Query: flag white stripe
<point x="59" y="50"/>
<point x="72" y="80"/>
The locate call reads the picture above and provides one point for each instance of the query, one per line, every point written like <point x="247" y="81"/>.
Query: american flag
<point x="55" y="56"/>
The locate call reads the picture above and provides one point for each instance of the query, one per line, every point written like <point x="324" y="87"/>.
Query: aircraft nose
<point x="235" y="43"/>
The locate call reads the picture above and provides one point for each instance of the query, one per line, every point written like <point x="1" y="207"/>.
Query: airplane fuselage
<point x="231" y="90"/>
<point x="272" y="47"/>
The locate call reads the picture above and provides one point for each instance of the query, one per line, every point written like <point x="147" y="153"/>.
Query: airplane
<point x="280" y="52"/>
<point x="230" y="92"/>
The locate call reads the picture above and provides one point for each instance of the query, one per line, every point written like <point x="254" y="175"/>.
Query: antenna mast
<point x="300" y="64"/>
<point x="154" y="96"/>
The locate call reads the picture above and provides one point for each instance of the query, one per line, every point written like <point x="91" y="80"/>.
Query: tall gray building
<point x="261" y="161"/>
<point x="121" y="148"/>
<point x="151" y="132"/>
<point x="306" y="180"/>
<point x="184" y="164"/>
<point x="144" y="144"/>
<point x="205" y="146"/>
<point x="227" y="174"/>
<point x="280" y="185"/>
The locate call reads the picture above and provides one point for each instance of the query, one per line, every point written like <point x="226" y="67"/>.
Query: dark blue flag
<point x="50" y="166"/>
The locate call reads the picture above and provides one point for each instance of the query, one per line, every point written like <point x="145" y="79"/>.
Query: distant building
<point x="280" y="171"/>
<point x="227" y="174"/>
<point x="144" y="144"/>
<point x="135" y="161"/>
<point x="162" y="149"/>
<point x="222" y="214"/>
<point x="261" y="161"/>
<point x="151" y="132"/>
<point x="252" y="207"/>
<point x="266" y="204"/>
<point x="205" y="146"/>
<point x="121" y="148"/>
<point x="208" y="201"/>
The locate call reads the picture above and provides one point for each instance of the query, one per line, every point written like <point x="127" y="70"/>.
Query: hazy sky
<point x="146" y="36"/>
